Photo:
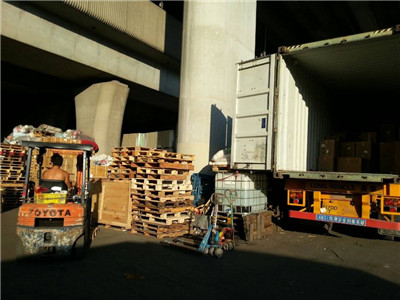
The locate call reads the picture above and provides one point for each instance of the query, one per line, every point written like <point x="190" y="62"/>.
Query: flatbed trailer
<point x="358" y="199"/>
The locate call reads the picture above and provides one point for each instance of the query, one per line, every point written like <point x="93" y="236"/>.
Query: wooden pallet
<point x="14" y="185"/>
<point x="160" y="230"/>
<point x="150" y="152"/>
<point x="121" y="175"/>
<point x="158" y="198"/>
<point x="161" y="221"/>
<point x="12" y="159"/>
<point x="162" y="211"/>
<point x="10" y="197"/>
<point x="175" y="214"/>
<point x="115" y="227"/>
<point x="162" y="205"/>
<point x="160" y="194"/>
<point x="11" y="168"/>
<point x="161" y="187"/>
<point x="16" y="182"/>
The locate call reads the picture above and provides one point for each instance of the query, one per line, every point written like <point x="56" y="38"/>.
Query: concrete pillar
<point x="100" y="112"/>
<point x="216" y="36"/>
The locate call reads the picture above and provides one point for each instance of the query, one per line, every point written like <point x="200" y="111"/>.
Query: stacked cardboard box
<point x="371" y="152"/>
<point x="327" y="155"/>
<point x="353" y="157"/>
<point x="389" y="157"/>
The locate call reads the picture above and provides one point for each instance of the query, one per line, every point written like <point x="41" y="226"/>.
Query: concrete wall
<point x="216" y="36"/>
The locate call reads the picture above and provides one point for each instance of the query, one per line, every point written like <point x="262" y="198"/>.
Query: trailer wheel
<point x="389" y="237"/>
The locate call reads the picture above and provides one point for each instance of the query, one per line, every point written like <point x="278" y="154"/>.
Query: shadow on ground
<point x="143" y="269"/>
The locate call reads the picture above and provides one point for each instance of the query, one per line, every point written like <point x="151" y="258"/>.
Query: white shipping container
<point x="287" y="102"/>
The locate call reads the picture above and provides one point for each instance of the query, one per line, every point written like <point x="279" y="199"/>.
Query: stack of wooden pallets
<point x="12" y="175"/>
<point x="160" y="189"/>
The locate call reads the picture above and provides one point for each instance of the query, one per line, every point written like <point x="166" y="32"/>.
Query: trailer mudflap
<point x="58" y="240"/>
<point x="373" y="223"/>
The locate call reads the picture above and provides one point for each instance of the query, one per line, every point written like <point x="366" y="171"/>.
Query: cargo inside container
<point x="356" y="89"/>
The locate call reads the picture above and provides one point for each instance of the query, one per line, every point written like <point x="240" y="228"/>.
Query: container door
<point x="253" y="120"/>
<point x="292" y="119"/>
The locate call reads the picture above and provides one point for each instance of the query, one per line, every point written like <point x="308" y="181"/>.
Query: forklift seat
<point x="49" y="183"/>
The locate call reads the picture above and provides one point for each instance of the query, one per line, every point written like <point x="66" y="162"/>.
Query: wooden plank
<point x="115" y="205"/>
<point x="162" y="198"/>
<point x="162" y="205"/>
<point x="176" y="166"/>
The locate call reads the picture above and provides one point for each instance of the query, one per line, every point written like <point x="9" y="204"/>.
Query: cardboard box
<point x="387" y="133"/>
<point x="386" y="149"/>
<point x="327" y="163"/>
<point x="352" y="164"/>
<point x="328" y="148"/>
<point x="369" y="136"/>
<point x="364" y="150"/>
<point x="389" y="158"/>
<point x="348" y="149"/>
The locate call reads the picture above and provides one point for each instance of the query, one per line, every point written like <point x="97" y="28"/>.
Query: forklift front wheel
<point x="205" y="251"/>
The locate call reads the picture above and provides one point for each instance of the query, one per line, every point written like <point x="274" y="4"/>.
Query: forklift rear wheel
<point x="79" y="249"/>
<point x="231" y="245"/>
<point x="211" y="251"/>
<point x="20" y="252"/>
<point x="218" y="252"/>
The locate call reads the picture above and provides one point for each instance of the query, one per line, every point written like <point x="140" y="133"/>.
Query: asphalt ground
<point x="300" y="262"/>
